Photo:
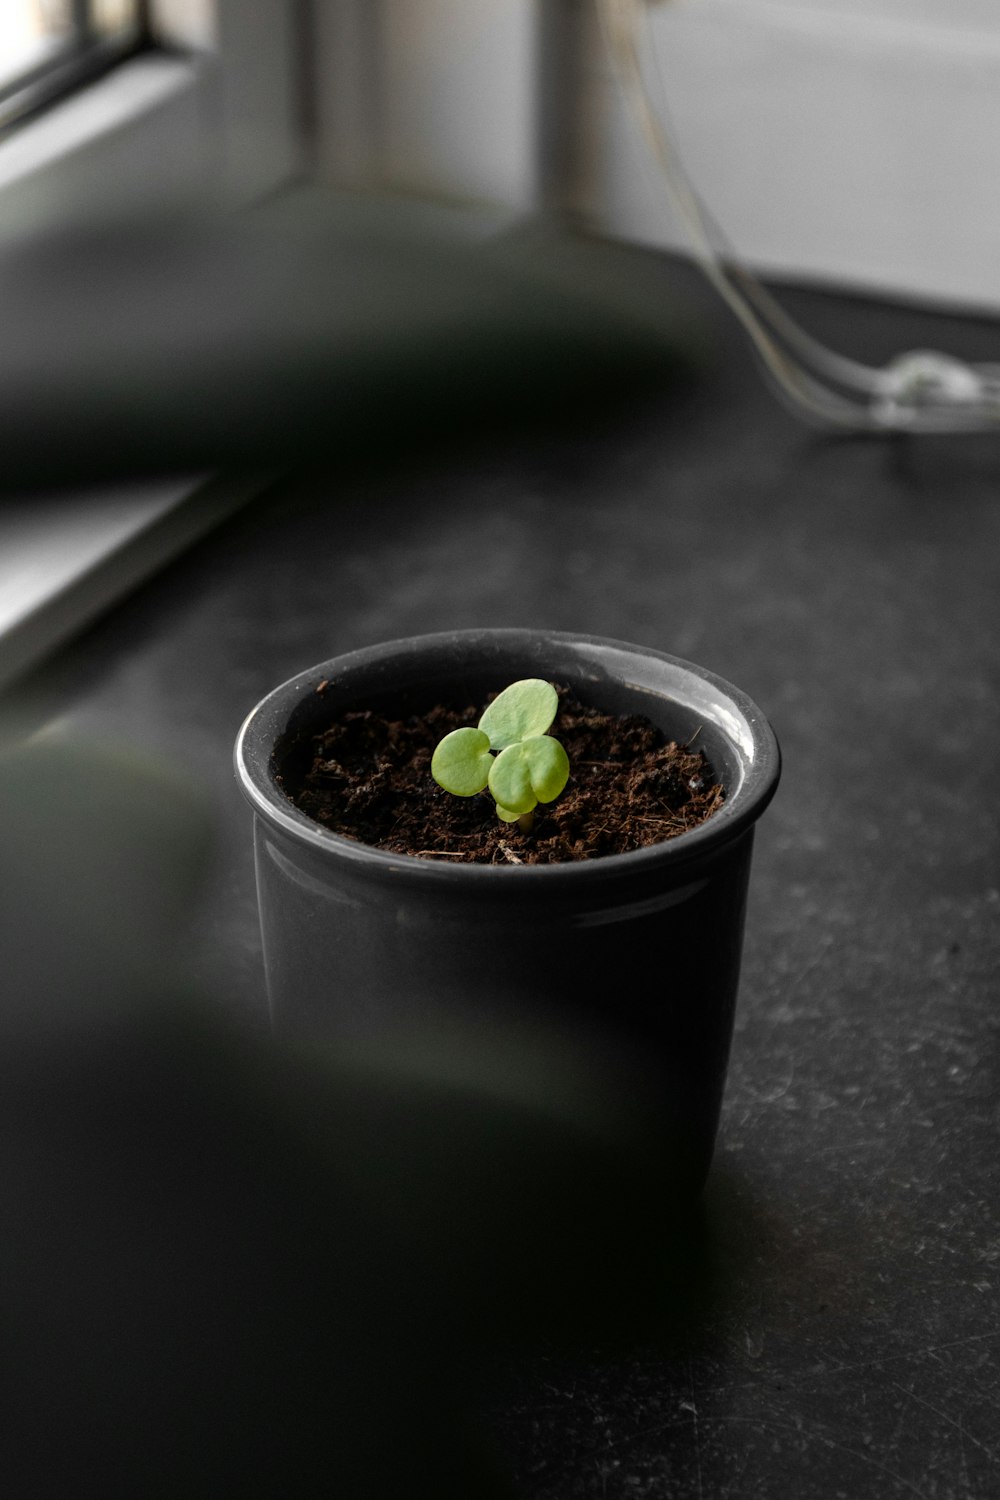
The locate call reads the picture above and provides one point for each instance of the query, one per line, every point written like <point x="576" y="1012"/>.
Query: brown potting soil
<point x="368" y="778"/>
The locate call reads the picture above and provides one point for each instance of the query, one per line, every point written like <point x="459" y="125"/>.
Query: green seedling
<point x="509" y="752"/>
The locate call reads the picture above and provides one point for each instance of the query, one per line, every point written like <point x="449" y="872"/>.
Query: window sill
<point x="133" y="140"/>
<point x="136" y="133"/>
<point x="65" y="558"/>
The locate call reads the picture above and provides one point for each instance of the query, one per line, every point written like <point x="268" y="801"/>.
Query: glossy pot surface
<point x="638" y="951"/>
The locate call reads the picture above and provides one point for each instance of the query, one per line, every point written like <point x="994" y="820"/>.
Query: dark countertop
<point x="846" y="1335"/>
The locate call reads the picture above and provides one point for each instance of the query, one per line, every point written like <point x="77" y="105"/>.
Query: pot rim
<point x="738" y="717"/>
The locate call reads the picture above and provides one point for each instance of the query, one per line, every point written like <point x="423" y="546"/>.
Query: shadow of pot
<point x="629" y="962"/>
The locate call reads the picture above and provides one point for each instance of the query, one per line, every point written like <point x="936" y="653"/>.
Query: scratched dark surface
<point x="837" y="1330"/>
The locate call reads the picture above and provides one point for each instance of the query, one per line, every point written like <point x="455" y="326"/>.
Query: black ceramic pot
<point x="639" y="953"/>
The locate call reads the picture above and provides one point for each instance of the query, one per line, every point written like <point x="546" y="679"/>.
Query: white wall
<point x="193" y="23"/>
<point x="843" y="140"/>
<point x="965" y="14"/>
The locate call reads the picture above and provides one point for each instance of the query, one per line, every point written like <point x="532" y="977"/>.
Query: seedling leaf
<point x="462" y="762"/>
<point x="521" y="711"/>
<point x="536" y="770"/>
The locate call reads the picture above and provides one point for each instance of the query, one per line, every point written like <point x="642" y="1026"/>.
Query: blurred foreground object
<point x="228" y="1268"/>
<point x="354" y="330"/>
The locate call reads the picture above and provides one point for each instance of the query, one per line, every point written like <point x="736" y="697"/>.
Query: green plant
<point x="509" y="751"/>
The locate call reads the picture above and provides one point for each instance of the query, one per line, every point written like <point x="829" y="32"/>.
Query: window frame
<point x="219" y="123"/>
<point x="82" y="58"/>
